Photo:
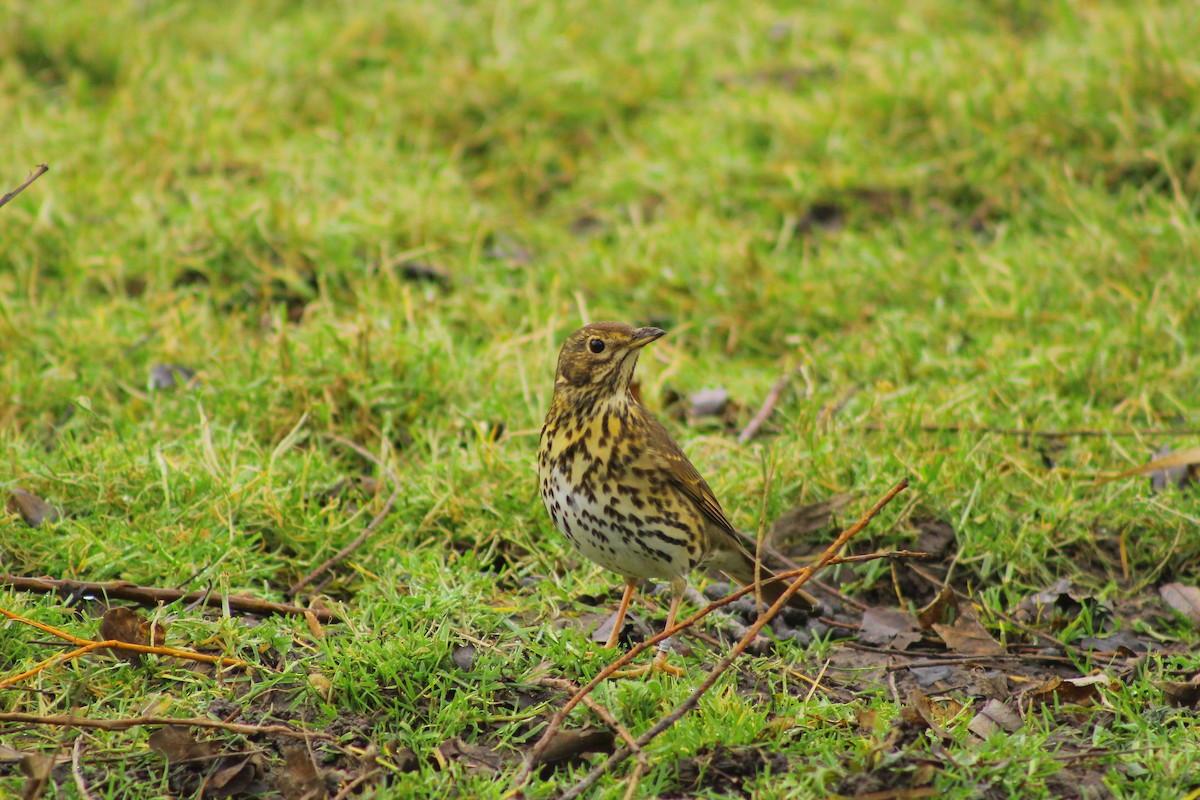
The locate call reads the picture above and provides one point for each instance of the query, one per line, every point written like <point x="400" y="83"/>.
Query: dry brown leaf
<point x="37" y="768"/>
<point x="1181" y="693"/>
<point x="571" y="744"/>
<point x="967" y="637"/>
<point x="889" y="627"/>
<point x="1074" y="691"/>
<point x="125" y="624"/>
<point x="940" y="611"/>
<point x="797" y="524"/>
<point x="993" y="718"/>
<point x="33" y="510"/>
<point x="921" y="710"/>
<point x="472" y="756"/>
<point x="1184" y="599"/>
<point x="234" y="778"/>
<point x="299" y="778"/>
<point x="176" y="744"/>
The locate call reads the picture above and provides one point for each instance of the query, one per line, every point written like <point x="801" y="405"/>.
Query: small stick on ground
<point x="39" y="172"/>
<point x="1080" y="432"/>
<point x="77" y="770"/>
<point x="153" y="595"/>
<point x="187" y="722"/>
<point x="88" y="645"/>
<point x="768" y="408"/>
<point x="366" y="534"/>
<point x="694" y="698"/>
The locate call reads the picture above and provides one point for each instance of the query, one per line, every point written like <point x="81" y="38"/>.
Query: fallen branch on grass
<point x="768" y="408"/>
<point x="1079" y="432"/>
<point x="153" y="596"/>
<point x="797" y="577"/>
<point x="88" y="645"/>
<point x="41" y="170"/>
<point x="187" y="722"/>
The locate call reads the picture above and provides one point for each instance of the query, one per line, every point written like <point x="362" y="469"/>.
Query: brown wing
<point x="665" y="456"/>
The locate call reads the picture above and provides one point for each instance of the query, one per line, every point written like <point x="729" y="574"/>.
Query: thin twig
<point x="153" y="596"/>
<point x="39" y="172"/>
<point x="348" y="549"/>
<point x="77" y="770"/>
<point x="362" y="537"/>
<point x="88" y="645"/>
<point x="768" y="407"/>
<point x="1082" y="432"/>
<point x="694" y="698"/>
<point x="133" y="722"/>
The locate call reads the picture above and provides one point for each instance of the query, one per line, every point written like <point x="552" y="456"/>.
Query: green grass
<point x="946" y="213"/>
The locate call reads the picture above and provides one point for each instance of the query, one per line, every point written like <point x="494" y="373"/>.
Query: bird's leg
<point x="678" y="587"/>
<point x="619" y="623"/>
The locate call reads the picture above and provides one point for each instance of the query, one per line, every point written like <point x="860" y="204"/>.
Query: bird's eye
<point x="596" y="346"/>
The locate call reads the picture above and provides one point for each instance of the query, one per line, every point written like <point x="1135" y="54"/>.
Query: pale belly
<point x="615" y="534"/>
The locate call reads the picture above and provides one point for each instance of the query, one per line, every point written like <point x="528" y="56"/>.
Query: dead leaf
<point x="889" y="627"/>
<point x="709" y="402"/>
<point x="33" y="510"/>
<point x="921" y="710"/>
<point x="1123" y="643"/>
<point x="933" y="675"/>
<point x="299" y="778"/>
<point x="1184" y="599"/>
<point x="993" y="718"/>
<point x="935" y="537"/>
<point x="321" y="685"/>
<point x="1181" y="693"/>
<point x="940" y="611"/>
<point x="38" y="768"/>
<point x="176" y="745"/>
<point x="797" y="524"/>
<point x="234" y="778"/>
<point x="125" y="624"/>
<point x="569" y="745"/>
<point x="1059" y="606"/>
<point x="1074" y="691"/>
<point x="967" y="637"/>
<point x="168" y="376"/>
<point x="1172" y="476"/>
<point x="474" y="757"/>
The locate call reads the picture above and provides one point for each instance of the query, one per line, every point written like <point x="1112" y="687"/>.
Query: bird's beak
<point x="644" y="336"/>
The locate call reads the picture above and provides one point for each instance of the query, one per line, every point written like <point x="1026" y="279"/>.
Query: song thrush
<point x="618" y="486"/>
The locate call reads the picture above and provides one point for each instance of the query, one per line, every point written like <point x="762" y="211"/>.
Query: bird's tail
<point x="742" y="571"/>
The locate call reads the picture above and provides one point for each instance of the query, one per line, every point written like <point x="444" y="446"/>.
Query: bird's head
<point x="599" y="358"/>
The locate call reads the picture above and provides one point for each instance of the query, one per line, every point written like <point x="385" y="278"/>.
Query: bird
<point x="622" y="491"/>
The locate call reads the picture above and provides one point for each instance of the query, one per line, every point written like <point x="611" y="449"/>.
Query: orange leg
<point x="678" y="586"/>
<point x="619" y="624"/>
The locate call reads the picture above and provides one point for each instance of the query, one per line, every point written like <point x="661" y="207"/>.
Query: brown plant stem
<point x="39" y="172"/>
<point x="152" y="595"/>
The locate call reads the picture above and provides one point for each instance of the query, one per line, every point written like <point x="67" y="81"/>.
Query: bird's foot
<point x="659" y="664"/>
